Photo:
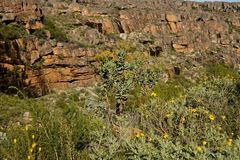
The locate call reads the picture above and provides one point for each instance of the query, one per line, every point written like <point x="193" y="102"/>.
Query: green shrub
<point x="119" y="76"/>
<point x="173" y="88"/>
<point x="173" y="120"/>
<point x="200" y="124"/>
<point x="40" y="33"/>
<point x="11" y="31"/>
<point x="126" y="45"/>
<point x="55" y="31"/>
<point x="62" y="131"/>
<point x="221" y="70"/>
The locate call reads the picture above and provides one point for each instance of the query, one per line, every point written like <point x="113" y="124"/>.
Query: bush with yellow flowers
<point x="177" y="119"/>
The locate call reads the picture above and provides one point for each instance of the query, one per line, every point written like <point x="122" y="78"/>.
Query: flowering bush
<point x="200" y="121"/>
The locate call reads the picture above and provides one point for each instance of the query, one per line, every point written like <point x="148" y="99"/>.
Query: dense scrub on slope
<point x="10" y="32"/>
<point x="157" y="119"/>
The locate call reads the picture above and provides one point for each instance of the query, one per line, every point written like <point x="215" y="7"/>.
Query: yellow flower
<point x="223" y="117"/>
<point x="165" y="136"/>
<point x="39" y="149"/>
<point x="199" y="100"/>
<point x="29" y="157"/>
<point x="204" y="142"/>
<point x="33" y="136"/>
<point x="172" y="101"/>
<point x="153" y="94"/>
<point x="219" y="128"/>
<point x="212" y="117"/>
<point x="34" y="145"/>
<point x="30" y="150"/>
<point x="15" y="141"/>
<point x="193" y="110"/>
<point x="199" y="149"/>
<point x="206" y="112"/>
<point x="26" y="127"/>
<point x="138" y="135"/>
<point x="229" y="142"/>
<point x="169" y="114"/>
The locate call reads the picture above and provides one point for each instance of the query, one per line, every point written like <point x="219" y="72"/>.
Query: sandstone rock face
<point x="205" y="26"/>
<point x="51" y="67"/>
<point x="153" y="26"/>
<point x="26" y="63"/>
<point x="171" y="18"/>
<point x="27" y="11"/>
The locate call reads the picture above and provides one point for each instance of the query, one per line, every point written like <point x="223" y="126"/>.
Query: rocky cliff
<point x="33" y="63"/>
<point x="178" y="30"/>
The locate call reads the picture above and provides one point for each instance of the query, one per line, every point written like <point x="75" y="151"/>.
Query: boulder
<point x="171" y="18"/>
<point x="173" y="27"/>
<point x="75" y="7"/>
<point x="238" y="52"/>
<point x="184" y="48"/>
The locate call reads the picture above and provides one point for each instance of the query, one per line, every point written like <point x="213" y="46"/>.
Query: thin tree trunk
<point x="119" y="108"/>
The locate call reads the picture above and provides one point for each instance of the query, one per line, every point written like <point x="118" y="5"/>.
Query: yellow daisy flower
<point x="211" y="117"/>
<point x="153" y="94"/>
<point x="229" y="142"/>
<point x="199" y="149"/>
<point x="194" y="110"/>
<point x="223" y="117"/>
<point x="34" y="145"/>
<point x="204" y="142"/>
<point x="15" y="141"/>
<point x="30" y="150"/>
<point x="165" y="136"/>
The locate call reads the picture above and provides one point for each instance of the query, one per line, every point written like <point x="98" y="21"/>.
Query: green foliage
<point x="11" y="78"/>
<point x="126" y="45"/>
<point x="209" y="94"/>
<point x="220" y="70"/>
<point x="173" y="88"/>
<point x="40" y="33"/>
<point x="176" y="119"/>
<point x="117" y="76"/>
<point x="56" y="32"/>
<point x="120" y="76"/>
<point x="38" y="65"/>
<point x="199" y="124"/>
<point x="60" y="132"/>
<point x="11" y="31"/>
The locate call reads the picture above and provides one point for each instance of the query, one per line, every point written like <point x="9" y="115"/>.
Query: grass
<point x="11" y="31"/>
<point x="221" y="70"/>
<point x="55" y="31"/>
<point x="173" y="120"/>
<point x="177" y="119"/>
<point x="196" y="124"/>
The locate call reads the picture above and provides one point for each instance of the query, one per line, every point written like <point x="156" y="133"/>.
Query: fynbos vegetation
<point x="200" y="122"/>
<point x="103" y="80"/>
